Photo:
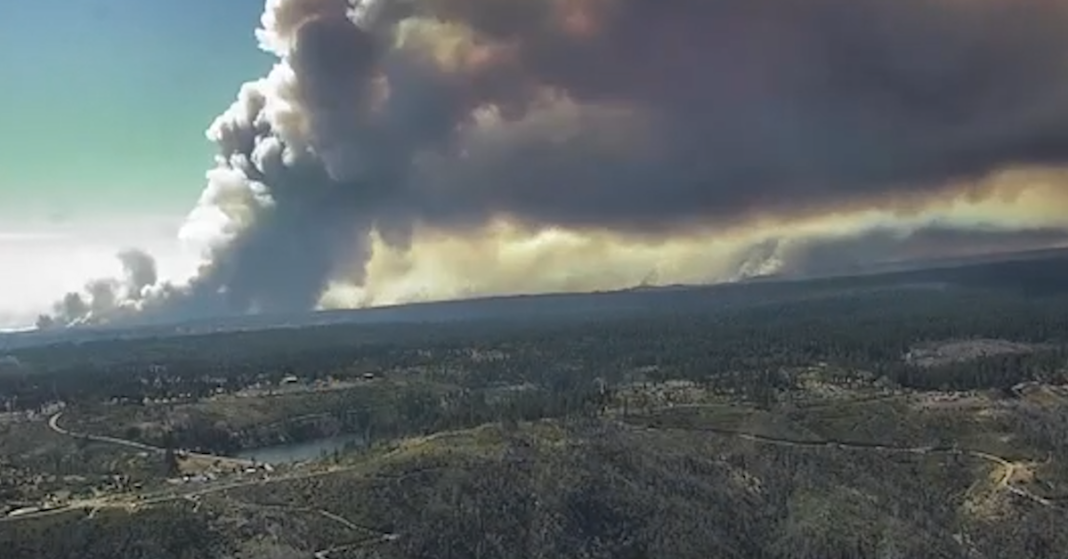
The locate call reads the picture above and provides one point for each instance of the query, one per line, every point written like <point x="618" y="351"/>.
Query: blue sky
<point x="102" y="117"/>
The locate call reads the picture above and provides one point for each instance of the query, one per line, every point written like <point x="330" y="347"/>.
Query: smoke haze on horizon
<point x="428" y="149"/>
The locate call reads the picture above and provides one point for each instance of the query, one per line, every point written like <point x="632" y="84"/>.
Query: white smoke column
<point x="282" y="200"/>
<point x="283" y="208"/>
<point x="140" y="272"/>
<point x="105" y="300"/>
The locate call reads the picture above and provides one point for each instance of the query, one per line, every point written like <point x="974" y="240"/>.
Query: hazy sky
<point x="453" y="148"/>
<point x="103" y="113"/>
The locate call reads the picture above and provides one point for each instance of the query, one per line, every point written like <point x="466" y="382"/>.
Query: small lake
<point x="299" y="452"/>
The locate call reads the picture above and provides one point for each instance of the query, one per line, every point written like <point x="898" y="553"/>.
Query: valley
<point x="824" y="420"/>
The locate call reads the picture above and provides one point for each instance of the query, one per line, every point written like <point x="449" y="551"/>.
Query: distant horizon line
<point x="889" y="267"/>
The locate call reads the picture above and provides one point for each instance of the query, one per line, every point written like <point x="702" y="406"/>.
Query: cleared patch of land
<point x="934" y="354"/>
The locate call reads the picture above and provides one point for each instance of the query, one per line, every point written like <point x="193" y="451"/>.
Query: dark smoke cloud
<point x="631" y="116"/>
<point x="754" y="107"/>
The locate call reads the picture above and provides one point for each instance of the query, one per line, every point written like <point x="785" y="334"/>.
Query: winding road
<point x="53" y="423"/>
<point x="92" y="505"/>
<point x="1008" y="468"/>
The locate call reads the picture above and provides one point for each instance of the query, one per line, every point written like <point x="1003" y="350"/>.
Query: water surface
<point x="299" y="452"/>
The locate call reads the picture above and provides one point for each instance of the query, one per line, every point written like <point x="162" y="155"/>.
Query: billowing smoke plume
<point x="643" y="118"/>
<point x="107" y="299"/>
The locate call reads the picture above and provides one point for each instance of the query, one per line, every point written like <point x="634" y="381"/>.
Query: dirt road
<point x="1005" y="481"/>
<point x="53" y="423"/>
